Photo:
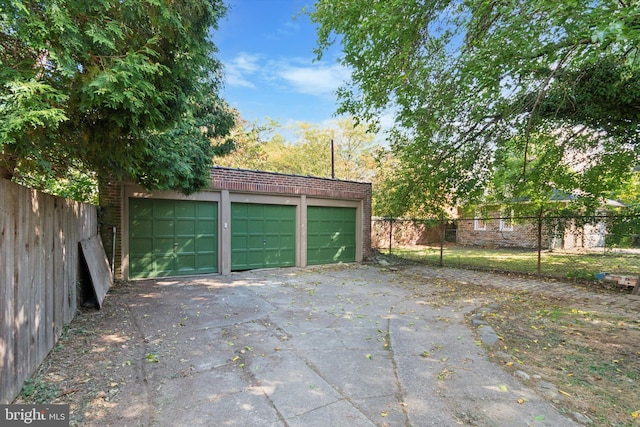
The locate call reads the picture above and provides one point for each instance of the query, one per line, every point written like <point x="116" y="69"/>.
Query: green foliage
<point x="533" y="177"/>
<point x="125" y="90"/>
<point x="477" y="84"/>
<point x="264" y="147"/>
<point x="629" y="193"/>
<point x="624" y="231"/>
<point x="38" y="391"/>
<point x="600" y="95"/>
<point x="248" y="144"/>
<point x="353" y="144"/>
<point x="76" y="185"/>
<point x="250" y="140"/>
<point x="309" y="155"/>
<point x="392" y="195"/>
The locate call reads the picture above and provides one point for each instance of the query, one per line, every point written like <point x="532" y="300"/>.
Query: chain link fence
<point x="604" y="248"/>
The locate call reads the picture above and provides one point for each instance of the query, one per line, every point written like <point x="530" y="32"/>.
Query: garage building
<point x="244" y="220"/>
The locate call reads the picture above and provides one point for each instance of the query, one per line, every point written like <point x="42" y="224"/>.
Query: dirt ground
<point x="592" y="353"/>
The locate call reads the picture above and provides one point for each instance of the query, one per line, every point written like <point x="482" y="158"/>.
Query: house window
<point x="506" y="221"/>
<point x="479" y="223"/>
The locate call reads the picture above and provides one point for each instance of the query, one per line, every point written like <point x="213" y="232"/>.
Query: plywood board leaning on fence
<point x="98" y="265"/>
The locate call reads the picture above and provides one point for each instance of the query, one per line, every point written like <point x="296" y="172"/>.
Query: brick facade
<point x="523" y="234"/>
<point x="500" y="230"/>
<point x="243" y="182"/>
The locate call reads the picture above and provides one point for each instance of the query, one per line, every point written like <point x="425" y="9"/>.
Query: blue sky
<point x="269" y="63"/>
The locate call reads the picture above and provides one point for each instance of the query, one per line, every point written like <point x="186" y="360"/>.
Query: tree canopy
<point x="472" y="85"/>
<point x="126" y="89"/>
<point x="263" y="146"/>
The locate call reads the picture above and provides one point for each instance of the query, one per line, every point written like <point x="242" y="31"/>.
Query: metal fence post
<point x="390" y="234"/>
<point x="442" y="237"/>
<point x="539" y="243"/>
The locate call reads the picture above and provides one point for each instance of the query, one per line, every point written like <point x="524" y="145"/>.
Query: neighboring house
<point x="496" y="227"/>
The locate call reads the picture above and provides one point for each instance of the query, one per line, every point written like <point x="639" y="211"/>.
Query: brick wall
<point x="404" y="233"/>
<point x="241" y="180"/>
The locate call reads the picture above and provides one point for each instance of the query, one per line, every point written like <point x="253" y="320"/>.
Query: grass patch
<point x="592" y="358"/>
<point x="569" y="265"/>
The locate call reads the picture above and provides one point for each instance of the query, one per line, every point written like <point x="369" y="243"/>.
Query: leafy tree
<point x="124" y="89"/>
<point x="624" y="231"/>
<point x="389" y="192"/>
<point x="353" y="144"/>
<point x="470" y="82"/>
<point x="551" y="176"/>
<point x="264" y="146"/>
<point x="78" y="185"/>
<point x="629" y="193"/>
<point x="310" y="154"/>
<point x="249" y="141"/>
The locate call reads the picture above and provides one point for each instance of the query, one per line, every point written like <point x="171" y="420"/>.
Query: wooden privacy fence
<point x="39" y="272"/>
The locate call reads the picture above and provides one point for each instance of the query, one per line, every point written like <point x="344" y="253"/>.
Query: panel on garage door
<point x="331" y="235"/>
<point x="172" y="237"/>
<point x="262" y="236"/>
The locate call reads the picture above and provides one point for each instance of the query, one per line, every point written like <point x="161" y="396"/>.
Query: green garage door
<point x="331" y="235"/>
<point x="172" y="237"/>
<point x="262" y="236"/>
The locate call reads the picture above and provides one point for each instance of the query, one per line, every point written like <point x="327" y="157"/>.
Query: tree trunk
<point x="5" y="173"/>
<point x="8" y="165"/>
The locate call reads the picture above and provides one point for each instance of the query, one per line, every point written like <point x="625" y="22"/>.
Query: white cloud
<point x="317" y="80"/>
<point x="240" y="69"/>
<point x="299" y="75"/>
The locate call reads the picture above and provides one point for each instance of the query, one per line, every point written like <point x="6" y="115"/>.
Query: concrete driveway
<point x="345" y="345"/>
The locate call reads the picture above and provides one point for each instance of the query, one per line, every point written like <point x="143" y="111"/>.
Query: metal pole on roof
<point x="333" y="161"/>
